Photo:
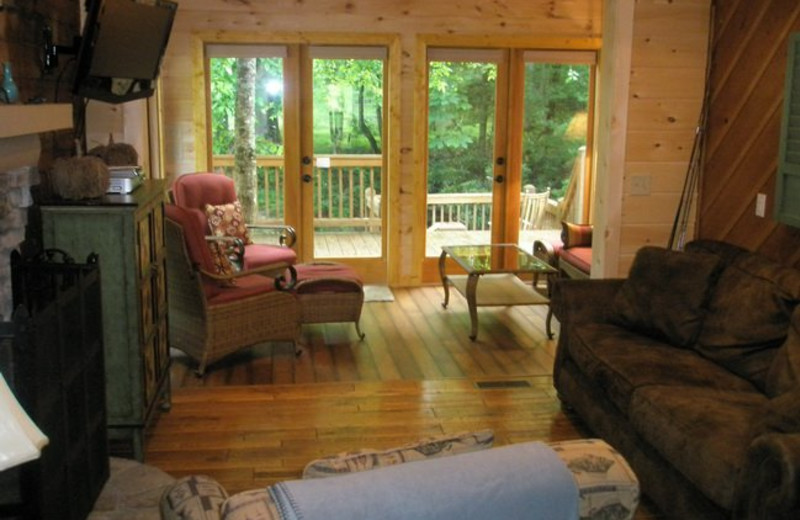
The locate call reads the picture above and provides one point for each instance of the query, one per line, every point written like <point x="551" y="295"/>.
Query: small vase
<point x="9" y="87"/>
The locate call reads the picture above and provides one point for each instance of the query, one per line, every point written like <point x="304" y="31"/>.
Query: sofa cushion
<point x="429" y="448"/>
<point x="749" y="315"/>
<point x="703" y="432"/>
<point x="198" y="497"/>
<point x="784" y="372"/>
<point x="727" y="252"/>
<point x="666" y="293"/>
<point x="253" y="504"/>
<point x="579" y="257"/>
<point x="618" y="361"/>
<point x="782" y="413"/>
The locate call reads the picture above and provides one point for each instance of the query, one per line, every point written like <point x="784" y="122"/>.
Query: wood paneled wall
<point x="665" y="82"/>
<point x="747" y="82"/>
<point x="410" y="21"/>
<point x="667" y="76"/>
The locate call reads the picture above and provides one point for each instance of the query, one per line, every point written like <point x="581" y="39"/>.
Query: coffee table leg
<point x="472" y="304"/>
<point x="442" y="274"/>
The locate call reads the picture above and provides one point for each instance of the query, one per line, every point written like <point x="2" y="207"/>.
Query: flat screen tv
<point x="121" y="48"/>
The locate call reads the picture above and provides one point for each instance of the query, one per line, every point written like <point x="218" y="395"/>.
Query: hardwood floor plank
<point x="453" y="322"/>
<point x="377" y="341"/>
<point x="445" y="363"/>
<point x="259" y="416"/>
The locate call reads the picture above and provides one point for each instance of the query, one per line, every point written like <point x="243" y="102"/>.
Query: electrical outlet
<point x="761" y="204"/>
<point x="640" y="185"/>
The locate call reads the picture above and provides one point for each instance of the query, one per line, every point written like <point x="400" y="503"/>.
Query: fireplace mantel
<point x="20" y="127"/>
<point x="16" y="120"/>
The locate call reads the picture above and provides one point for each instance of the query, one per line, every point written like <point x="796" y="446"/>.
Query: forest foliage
<point x="348" y="101"/>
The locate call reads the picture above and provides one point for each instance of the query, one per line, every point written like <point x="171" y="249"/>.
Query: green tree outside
<point x="348" y="110"/>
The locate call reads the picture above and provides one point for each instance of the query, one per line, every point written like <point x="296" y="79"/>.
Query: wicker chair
<point x="197" y="191"/>
<point x="212" y="316"/>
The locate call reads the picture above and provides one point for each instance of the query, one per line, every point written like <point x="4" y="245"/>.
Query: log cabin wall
<point x="666" y="79"/>
<point x="741" y="158"/>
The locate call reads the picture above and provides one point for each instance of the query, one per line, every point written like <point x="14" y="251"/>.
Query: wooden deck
<point x="364" y="244"/>
<point x="259" y="416"/>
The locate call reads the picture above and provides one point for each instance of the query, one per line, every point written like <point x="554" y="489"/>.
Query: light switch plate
<point x="640" y="185"/>
<point x="761" y="204"/>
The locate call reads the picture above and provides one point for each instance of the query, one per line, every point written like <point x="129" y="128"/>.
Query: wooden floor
<point x="261" y="415"/>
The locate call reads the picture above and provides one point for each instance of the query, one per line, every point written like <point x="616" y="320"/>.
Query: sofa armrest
<point x="769" y="482"/>
<point x="583" y="301"/>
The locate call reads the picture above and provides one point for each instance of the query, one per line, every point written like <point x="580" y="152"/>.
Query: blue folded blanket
<point x="525" y="480"/>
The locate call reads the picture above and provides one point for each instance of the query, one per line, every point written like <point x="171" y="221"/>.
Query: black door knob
<point x="306" y="160"/>
<point x="500" y="161"/>
<point x="306" y="178"/>
<point x="499" y="179"/>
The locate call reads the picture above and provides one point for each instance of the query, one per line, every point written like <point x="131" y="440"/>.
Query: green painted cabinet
<point x="127" y="232"/>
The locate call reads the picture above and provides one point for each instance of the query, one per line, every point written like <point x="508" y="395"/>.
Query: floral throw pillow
<point x="226" y="220"/>
<point x="222" y="264"/>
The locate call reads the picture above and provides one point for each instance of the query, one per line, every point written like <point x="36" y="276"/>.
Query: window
<point x="787" y="193"/>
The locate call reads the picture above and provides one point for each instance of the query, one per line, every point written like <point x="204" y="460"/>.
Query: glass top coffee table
<point x="496" y="268"/>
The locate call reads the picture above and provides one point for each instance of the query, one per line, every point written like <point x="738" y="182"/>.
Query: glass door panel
<point x="247" y="115"/>
<point x="462" y="90"/>
<point x="348" y="122"/>
<point x="555" y="177"/>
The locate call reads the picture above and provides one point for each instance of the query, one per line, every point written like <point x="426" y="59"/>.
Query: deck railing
<point x="344" y="189"/>
<point x="347" y="195"/>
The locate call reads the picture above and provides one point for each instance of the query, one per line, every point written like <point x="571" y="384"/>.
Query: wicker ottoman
<point x="329" y="292"/>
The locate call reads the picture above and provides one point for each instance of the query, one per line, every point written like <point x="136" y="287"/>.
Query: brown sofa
<point x="690" y="368"/>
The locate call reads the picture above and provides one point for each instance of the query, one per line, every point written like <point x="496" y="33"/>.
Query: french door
<point x="508" y="132"/>
<point x="467" y="111"/>
<point x="318" y="125"/>
<point x="342" y="150"/>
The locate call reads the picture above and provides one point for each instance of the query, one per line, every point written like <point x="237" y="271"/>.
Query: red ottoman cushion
<point x="327" y="277"/>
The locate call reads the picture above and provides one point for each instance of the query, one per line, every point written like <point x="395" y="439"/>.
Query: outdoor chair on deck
<point x="532" y="208"/>
<point x="214" y="314"/>
<point x="211" y="199"/>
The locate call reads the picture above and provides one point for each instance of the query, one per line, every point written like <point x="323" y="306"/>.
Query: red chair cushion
<point x="580" y="257"/>
<point x="245" y="286"/>
<point x="256" y="255"/>
<point x="195" y="190"/>
<point x="327" y="277"/>
<point x="194" y="234"/>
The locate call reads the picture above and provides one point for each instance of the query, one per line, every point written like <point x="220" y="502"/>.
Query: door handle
<point x="306" y="160"/>
<point x="500" y="161"/>
<point x="499" y="179"/>
<point x="306" y="178"/>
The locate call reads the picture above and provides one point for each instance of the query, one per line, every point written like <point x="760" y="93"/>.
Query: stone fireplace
<point x="20" y="153"/>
